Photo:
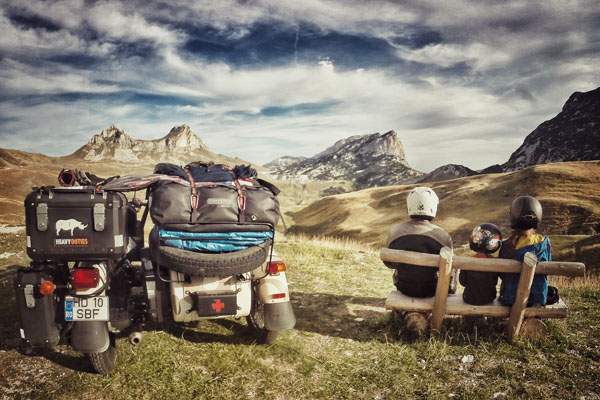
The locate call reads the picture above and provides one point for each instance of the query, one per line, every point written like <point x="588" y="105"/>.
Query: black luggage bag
<point x="218" y="207"/>
<point x="37" y="313"/>
<point x="75" y="224"/>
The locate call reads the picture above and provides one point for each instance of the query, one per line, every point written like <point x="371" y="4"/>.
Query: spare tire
<point x="210" y="264"/>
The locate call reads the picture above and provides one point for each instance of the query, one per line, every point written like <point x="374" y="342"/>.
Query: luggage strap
<point x="194" y="198"/>
<point x="241" y="198"/>
<point x="194" y="201"/>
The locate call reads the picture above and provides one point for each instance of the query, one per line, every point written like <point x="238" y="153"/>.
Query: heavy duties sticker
<point x="71" y="242"/>
<point x="68" y="227"/>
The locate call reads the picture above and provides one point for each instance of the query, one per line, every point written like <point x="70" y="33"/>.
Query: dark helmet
<point x="525" y="213"/>
<point x="486" y="238"/>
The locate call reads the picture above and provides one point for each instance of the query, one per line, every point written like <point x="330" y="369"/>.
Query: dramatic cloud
<point x="461" y="82"/>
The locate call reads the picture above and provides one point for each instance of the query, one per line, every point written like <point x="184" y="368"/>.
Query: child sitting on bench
<point x="480" y="286"/>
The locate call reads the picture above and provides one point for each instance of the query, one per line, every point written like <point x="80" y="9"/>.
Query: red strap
<point x="194" y="201"/>
<point x="241" y="197"/>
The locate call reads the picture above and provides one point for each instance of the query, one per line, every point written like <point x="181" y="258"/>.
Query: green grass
<point x="345" y="346"/>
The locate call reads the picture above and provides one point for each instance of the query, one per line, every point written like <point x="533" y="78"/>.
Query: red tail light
<point x="278" y="296"/>
<point x="47" y="288"/>
<point x="276" y="267"/>
<point x="84" y="278"/>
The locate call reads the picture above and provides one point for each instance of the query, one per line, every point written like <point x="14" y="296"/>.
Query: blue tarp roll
<point x="212" y="242"/>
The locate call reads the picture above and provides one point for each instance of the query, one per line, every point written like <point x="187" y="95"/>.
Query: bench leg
<point x="441" y="292"/>
<point x="517" y="310"/>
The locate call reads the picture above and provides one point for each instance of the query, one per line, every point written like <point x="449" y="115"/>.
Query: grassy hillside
<point x="345" y="346"/>
<point x="569" y="193"/>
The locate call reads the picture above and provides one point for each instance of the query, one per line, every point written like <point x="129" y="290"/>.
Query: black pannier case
<point x="76" y="223"/>
<point x="37" y="313"/>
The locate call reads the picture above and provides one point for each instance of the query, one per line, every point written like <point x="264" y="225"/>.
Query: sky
<point x="461" y="82"/>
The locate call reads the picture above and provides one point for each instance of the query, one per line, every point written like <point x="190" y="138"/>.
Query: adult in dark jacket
<point x="419" y="235"/>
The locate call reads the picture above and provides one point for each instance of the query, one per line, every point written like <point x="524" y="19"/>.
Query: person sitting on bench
<point x="420" y="235"/>
<point x="525" y="215"/>
<point x="480" y="286"/>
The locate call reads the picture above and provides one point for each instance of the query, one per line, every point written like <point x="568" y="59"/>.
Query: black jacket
<point x="480" y="286"/>
<point x="424" y="237"/>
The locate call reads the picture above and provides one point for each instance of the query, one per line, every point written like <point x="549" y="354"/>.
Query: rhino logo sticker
<point x="68" y="225"/>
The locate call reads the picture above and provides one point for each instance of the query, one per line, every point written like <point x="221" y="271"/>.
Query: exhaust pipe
<point x="135" y="338"/>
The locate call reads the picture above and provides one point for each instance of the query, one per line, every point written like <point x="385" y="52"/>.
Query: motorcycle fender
<point x="271" y="287"/>
<point x="279" y="316"/>
<point x="90" y="336"/>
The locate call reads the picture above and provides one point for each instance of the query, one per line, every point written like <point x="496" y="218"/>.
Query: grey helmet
<point x="525" y="213"/>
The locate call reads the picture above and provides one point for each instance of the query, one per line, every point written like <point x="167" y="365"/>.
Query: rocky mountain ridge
<point x="115" y="145"/>
<point x="572" y="135"/>
<point x="445" y="172"/>
<point x="366" y="160"/>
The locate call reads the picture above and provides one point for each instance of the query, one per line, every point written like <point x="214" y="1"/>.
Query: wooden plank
<point x="398" y="301"/>
<point x="455" y="305"/>
<point x="517" y="311"/>
<point x="441" y="291"/>
<point x="480" y="264"/>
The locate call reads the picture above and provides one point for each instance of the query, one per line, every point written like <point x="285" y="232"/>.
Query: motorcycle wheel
<point x="256" y="323"/>
<point x="104" y="362"/>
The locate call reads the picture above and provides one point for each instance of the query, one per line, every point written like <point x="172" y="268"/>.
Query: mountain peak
<point x="572" y="135"/>
<point x="375" y="144"/>
<point x="112" y="134"/>
<point x="367" y="160"/>
<point x="182" y="137"/>
<point x="446" y="172"/>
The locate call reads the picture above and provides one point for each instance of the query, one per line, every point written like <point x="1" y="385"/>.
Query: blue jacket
<point x="539" y="287"/>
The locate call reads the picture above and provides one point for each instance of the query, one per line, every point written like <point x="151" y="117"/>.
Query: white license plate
<point x="86" y="309"/>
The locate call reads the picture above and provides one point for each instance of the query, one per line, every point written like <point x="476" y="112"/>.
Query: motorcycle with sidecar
<point x="92" y="278"/>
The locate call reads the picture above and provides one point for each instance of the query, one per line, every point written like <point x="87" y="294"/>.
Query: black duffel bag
<point x="200" y="206"/>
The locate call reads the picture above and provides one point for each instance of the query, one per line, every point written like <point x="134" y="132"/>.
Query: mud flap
<point x="279" y="316"/>
<point x="90" y="336"/>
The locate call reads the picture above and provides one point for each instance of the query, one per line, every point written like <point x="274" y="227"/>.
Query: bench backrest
<point x="446" y="261"/>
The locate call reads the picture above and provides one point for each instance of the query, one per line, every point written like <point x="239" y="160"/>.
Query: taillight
<point x="47" y="288"/>
<point x="276" y="267"/>
<point x="84" y="278"/>
<point x="278" y="296"/>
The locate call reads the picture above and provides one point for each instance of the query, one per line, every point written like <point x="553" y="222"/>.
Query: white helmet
<point x="422" y="201"/>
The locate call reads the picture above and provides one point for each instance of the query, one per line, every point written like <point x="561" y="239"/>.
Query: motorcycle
<point x="92" y="279"/>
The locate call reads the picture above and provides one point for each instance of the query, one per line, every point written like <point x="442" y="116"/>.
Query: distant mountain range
<point x="180" y="146"/>
<point x="365" y="160"/>
<point x="378" y="160"/>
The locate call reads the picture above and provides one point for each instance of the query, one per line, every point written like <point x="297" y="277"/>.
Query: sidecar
<point x="249" y="283"/>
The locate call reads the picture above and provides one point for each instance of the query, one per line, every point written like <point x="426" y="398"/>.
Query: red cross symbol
<point x="217" y="305"/>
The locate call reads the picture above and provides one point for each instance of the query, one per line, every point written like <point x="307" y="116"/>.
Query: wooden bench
<point x="444" y="304"/>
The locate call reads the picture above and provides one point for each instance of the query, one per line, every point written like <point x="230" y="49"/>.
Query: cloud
<point x="268" y="78"/>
